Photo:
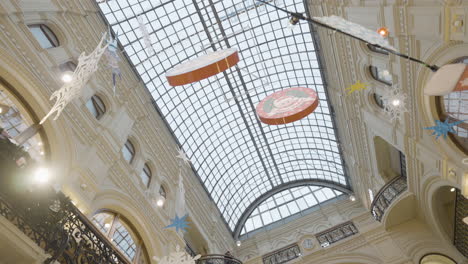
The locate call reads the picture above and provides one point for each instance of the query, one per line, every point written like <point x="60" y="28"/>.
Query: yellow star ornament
<point x="358" y="86"/>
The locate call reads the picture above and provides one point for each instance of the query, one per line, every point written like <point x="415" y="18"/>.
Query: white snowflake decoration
<point x="394" y="102"/>
<point x="183" y="157"/>
<point x="87" y="66"/>
<point x="177" y="257"/>
<point x="146" y="36"/>
<point x="354" y="29"/>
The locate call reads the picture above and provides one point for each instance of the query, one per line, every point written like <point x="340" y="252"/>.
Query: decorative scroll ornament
<point x="87" y="66"/>
<point x="146" y="36"/>
<point x="113" y="58"/>
<point x="202" y="67"/>
<point x="354" y="29"/>
<point x="177" y="257"/>
<point x="358" y="86"/>
<point x="394" y="102"/>
<point x="287" y="106"/>
<point x="443" y="128"/>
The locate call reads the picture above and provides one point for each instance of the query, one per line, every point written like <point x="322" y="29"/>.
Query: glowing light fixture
<point x="383" y="31"/>
<point x="67" y="76"/>
<point x="238" y="243"/>
<point x="396" y="102"/>
<point x="160" y="201"/>
<point x="452" y="189"/>
<point x="41" y="175"/>
<point x="352" y="198"/>
<point x="107" y="225"/>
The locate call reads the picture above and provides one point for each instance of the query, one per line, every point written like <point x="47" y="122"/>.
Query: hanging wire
<point x="295" y="17"/>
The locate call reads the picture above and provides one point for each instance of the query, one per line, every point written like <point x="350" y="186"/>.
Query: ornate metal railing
<point x="218" y="259"/>
<point x="387" y="195"/>
<point x="336" y="233"/>
<point x="283" y="255"/>
<point x="57" y="226"/>
<point x="460" y="238"/>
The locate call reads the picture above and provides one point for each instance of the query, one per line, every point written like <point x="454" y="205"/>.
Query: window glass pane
<point x="124" y="241"/>
<point x="381" y="75"/>
<point x="145" y="175"/>
<point x="103" y="221"/>
<point x="128" y="151"/>
<point x="44" y="36"/>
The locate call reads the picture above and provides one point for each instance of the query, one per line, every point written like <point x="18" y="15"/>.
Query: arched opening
<point x="436" y="258"/>
<point x="44" y="36"/>
<point x="128" y="151"/>
<point x="121" y="233"/>
<point x="16" y="117"/>
<point x="444" y="209"/>
<point x="96" y="106"/>
<point x="390" y="161"/>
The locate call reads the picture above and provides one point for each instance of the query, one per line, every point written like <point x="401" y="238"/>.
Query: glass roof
<point x="237" y="158"/>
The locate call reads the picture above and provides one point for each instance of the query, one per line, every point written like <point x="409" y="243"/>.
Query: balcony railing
<point x="48" y="217"/>
<point x="387" y="195"/>
<point x="59" y="228"/>
<point x="460" y="237"/>
<point x="218" y="259"/>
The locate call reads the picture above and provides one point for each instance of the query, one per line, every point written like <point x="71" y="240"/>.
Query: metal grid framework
<point x="237" y="158"/>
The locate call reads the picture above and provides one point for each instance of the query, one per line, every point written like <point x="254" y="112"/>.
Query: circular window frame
<point x="439" y="111"/>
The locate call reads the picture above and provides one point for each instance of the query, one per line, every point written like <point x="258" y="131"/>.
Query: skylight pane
<point x="237" y="158"/>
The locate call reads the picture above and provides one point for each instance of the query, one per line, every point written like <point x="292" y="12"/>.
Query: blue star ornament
<point x="443" y="128"/>
<point x="179" y="223"/>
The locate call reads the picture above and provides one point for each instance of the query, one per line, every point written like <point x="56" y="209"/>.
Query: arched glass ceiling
<point x="237" y="158"/>
<point x="285" y="204"/>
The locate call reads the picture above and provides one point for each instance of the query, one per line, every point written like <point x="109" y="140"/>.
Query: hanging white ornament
<point x="146" y="35"/>
<point x="356" y="30"/>
<point x="180" y="197"/>
<point x="87" y="66"/>
<point x="394" y="102"/>
<point x="177" y="257"/>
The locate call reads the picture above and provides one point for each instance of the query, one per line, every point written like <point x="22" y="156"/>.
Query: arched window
<point x="128" y="151"/>
<point x="119" y="231"/>
<point x="15" y="119"/>
<point x="162" y="197"/>
<point x="381" y="75"/>
<point x="146" y="175"/>
<point x="436" y="258"/>
<point x="44" y="35"/>
<point x="376" y="49"/>
<point x="96" y="106"/>
<point x="453" y="107"/>
<point x="378" y="100"/>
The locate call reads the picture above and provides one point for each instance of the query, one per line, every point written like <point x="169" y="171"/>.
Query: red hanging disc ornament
<point x="287" y="106"/>
<point x="202" y="67"/>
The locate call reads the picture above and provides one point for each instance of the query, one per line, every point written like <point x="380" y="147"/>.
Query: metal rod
<point x="301" y="16"/>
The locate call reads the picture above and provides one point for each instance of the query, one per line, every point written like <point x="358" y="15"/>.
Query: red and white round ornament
<point x="287" y="106"/>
